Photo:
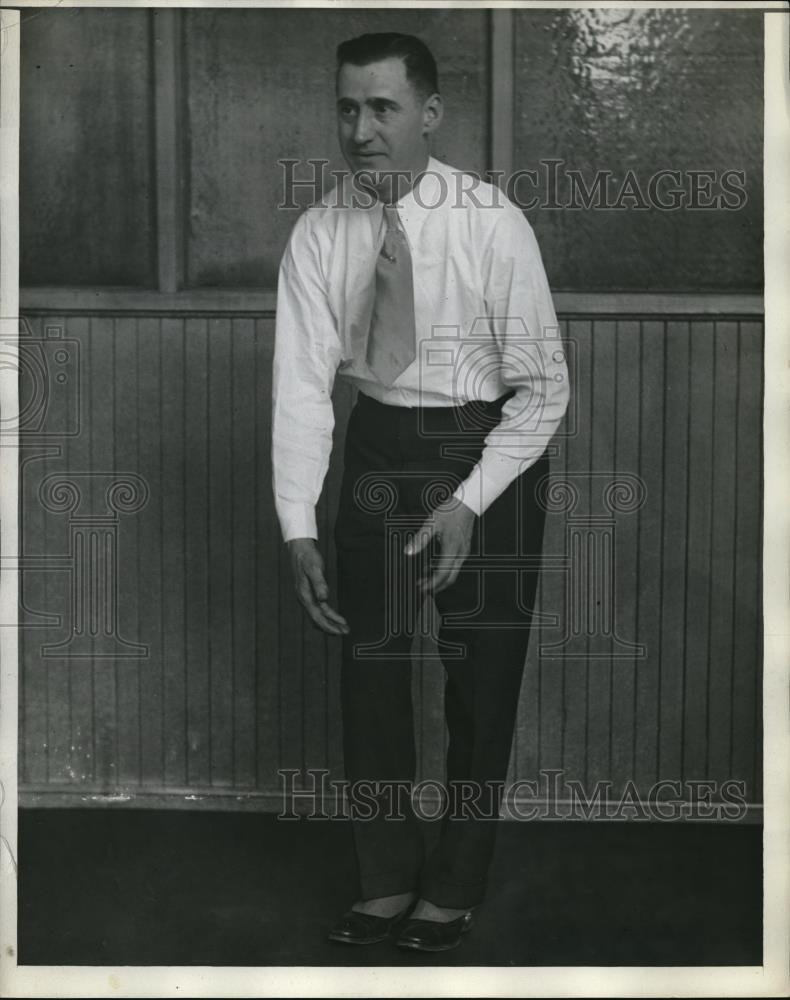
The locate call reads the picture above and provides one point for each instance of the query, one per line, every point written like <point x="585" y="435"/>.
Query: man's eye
<point x="347" y="111"/>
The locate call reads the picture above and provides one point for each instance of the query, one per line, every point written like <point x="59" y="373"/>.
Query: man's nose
<point x="363" y="130"/>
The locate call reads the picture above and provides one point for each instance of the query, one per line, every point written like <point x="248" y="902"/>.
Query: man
<point x="428" y="293"/>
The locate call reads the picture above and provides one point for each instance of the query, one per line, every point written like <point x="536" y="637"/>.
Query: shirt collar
<point x="430" y="194"/>
<point x="433" y="193"/>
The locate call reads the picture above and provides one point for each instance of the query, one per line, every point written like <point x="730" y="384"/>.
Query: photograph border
<point x="770" y="979"/>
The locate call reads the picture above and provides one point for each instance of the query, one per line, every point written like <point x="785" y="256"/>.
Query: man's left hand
<point x="452" y="523"/>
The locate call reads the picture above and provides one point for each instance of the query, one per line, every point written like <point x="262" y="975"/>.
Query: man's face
<point x="383" y="122"/>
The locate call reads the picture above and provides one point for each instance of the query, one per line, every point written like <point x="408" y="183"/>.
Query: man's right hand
<point x="307" y="567"/>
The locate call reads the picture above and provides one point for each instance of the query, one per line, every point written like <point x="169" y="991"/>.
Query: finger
<point x="435" y="580"/>
<point x="323" y="623"/>
<point x="305" y="594"/>
<point x="443" y="582"/>
<point x="426" y="580"/>
<point x="320" y="591"/>
<point x="446" y="574"/>
<point x="319" y="619"/>
<point x="434" y="567"/>
<point x="307" y="599"/>
<point x="318" y="582"/>
<point x="311" y="583"/>
<point x="330" y="613"/>
<point x="326" y="626"/>
<point x="420" y="539"/>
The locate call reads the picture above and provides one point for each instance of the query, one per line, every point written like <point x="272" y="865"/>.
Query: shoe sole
<point x="413" y="946"/>
<point x="339" y="939"/>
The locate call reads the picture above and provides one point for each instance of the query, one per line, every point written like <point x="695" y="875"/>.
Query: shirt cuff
<point x="487" y="481"/>
<point x="297" y="520"/>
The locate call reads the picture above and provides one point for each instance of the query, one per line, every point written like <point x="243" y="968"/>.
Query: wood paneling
<point x="151" y="592"/>
<point x="235" y="685"/>
<point x="651" y="411"/>
<point x="169" y="454"/>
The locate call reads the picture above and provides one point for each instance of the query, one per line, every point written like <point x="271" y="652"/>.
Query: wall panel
<point x="232" y="683"/>
<point x="151" y="590"/>
<point x="652" y="411"/>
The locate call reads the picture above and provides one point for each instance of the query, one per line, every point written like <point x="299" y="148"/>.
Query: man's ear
<point x="432" y="112"/>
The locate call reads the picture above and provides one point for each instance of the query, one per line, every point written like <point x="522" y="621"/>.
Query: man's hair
<point x="417" y="58"/>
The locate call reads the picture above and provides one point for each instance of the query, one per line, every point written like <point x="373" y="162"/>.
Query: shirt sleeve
<point x="306" y="356"/>
<point x="532" y="360"/>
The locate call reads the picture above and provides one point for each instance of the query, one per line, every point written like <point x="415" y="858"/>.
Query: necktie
<point x="391" y="340"/>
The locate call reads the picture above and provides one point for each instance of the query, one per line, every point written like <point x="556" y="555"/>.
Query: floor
<point x="136" y="887"/>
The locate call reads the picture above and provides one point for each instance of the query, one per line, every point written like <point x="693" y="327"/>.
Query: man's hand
<point x="452" y="522"/>
<point x="307" y="567"/>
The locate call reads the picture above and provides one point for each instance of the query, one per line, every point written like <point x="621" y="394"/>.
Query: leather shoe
<point x="365" y="928"/>
<point x="432" y="935"/>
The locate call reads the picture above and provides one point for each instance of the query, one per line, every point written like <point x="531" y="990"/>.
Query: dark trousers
<point x="399" y="464"/>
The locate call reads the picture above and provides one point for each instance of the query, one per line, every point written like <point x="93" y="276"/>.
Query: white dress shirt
<point x="485" y="325"/>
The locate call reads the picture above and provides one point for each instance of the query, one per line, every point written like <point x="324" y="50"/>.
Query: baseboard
<point x="229" y="800"/>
